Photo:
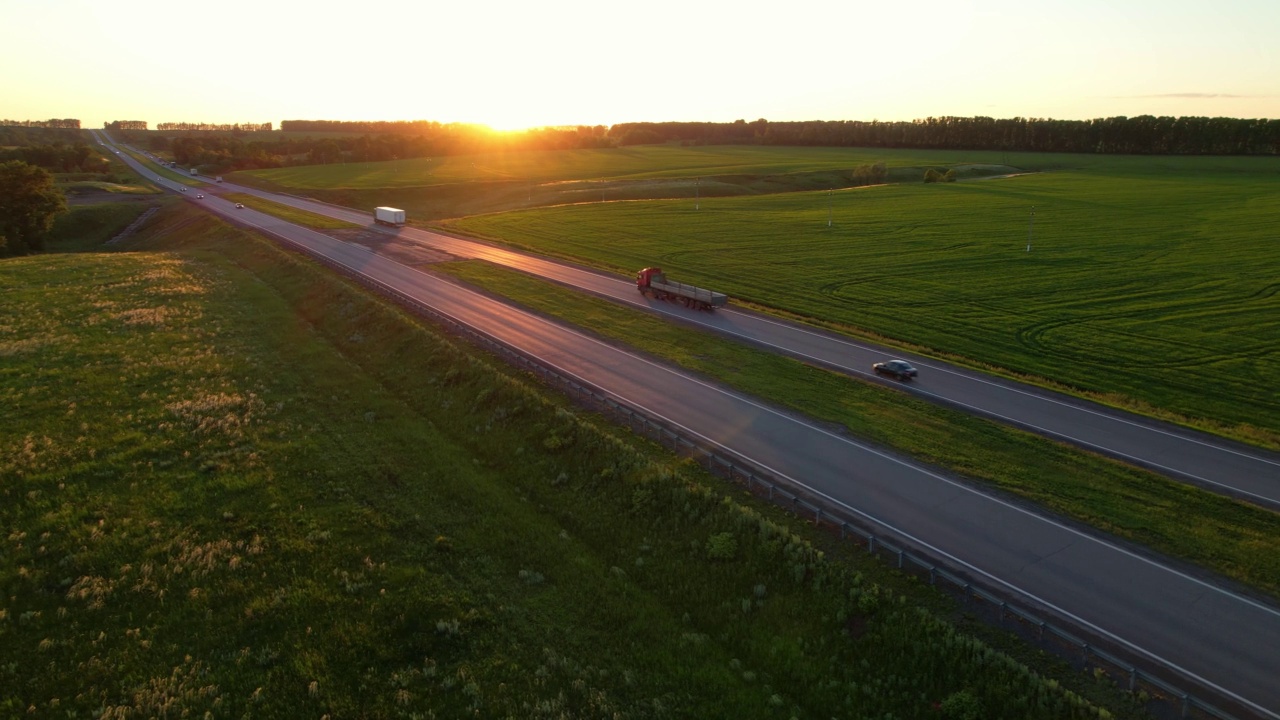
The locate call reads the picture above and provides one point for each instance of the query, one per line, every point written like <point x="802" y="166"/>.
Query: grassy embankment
<point x="1150" y="287"/>
<point x="88" y="224"/>
<point x="1233" y="538"/>
<point x="235" y="484"/>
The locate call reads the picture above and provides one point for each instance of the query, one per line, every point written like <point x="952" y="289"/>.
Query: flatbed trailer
<point x="652" y="281"/>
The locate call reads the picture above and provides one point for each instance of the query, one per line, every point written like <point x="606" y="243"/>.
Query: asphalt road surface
<point x="1178" y="619"/>
<point x="1218" y="465"/>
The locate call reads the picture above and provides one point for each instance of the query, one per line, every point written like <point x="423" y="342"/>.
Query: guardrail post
<point x="1133" y="679"/>
<point x="1186" y="705"/>
<point x="1041" y="629"/>
<point x="968" y="591"/>
<point x="1084" y="654"/>
<point x="1001" y="616"/>
<point x="843" y="527"/>
<point x="871" y="543"/>
<point x="899" y="559"/>
<point x="817" y="515"/>
<point x="932" y="575"/>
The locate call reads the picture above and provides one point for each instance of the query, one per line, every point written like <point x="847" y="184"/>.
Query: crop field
<point x="237" y="486"/>
<point x="1150" y="282"/>
<point x="640" y="162"/>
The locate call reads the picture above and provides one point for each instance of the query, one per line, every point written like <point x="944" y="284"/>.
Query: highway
<point x="1211" y="462"/>
<point x="1204" y="631"/>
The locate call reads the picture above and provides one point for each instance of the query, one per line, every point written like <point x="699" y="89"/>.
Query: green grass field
<point x="1148" y="285"/>
<point x="453" y="186"/>
<point x="641" y="162"/>
<point x="236" y="485"/>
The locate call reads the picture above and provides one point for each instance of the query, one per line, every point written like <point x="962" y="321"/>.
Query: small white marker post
<point x="697" y="194"/>
<point x="829" y="191"/>
<point x="1030" y="222"/>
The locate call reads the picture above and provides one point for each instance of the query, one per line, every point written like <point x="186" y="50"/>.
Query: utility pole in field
<point x="1030" y="223"/>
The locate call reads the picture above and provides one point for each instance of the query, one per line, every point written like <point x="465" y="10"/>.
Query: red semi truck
<point x="652" y="281"/>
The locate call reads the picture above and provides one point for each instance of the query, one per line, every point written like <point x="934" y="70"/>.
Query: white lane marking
<point x="1011" y="388"/>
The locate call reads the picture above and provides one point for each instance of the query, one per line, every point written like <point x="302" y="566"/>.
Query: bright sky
<point x="520" y="63"/>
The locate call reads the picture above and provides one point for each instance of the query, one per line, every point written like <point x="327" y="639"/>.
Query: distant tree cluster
<point x="211" y="127"/>
<point x="67" y="124"/>
<point x="870" y="174"/>
<point x="59" y="157"/>
<point x="370" y="127"/>
<point x="21" y="136"/>
<point x="433" y="138"/>
<point x="58" y="150"/>
<point x="738" y="132"/>
<point x="126" y="125"/>
<point x="1140" y="135"/>
<point x="226" y="152"/>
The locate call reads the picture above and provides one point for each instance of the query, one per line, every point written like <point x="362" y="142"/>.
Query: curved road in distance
<point x="1219" y="465"/>
<point x="1218" y="638"/>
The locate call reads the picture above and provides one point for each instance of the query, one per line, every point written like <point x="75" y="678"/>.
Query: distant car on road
<point x="240" y="206"/>
<point x="900" y="369"/>
<point x="199" y="196"/>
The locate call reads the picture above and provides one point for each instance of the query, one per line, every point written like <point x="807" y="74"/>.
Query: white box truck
<point x="389" y="216"/>
<point x="194" y="171"/>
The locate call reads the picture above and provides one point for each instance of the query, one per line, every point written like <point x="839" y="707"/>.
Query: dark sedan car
<point x="900" y="369"/>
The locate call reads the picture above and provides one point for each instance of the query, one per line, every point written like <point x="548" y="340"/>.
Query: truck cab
<point x="644" y="278"/>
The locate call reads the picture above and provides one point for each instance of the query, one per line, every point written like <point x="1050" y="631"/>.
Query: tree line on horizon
<point x="222" y="153"/>
<point x="213" y="127"/>
<point x="1141" y="135"/>
<point x="65" y="124"/>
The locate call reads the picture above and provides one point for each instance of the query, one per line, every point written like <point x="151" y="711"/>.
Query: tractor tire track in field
<point x="1033" y="337"/>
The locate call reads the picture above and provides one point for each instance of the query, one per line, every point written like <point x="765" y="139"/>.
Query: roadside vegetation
<point x="58" y="192"/>
<point x="291" y="214"/>
<point x="238" y="485"/>
<point x="1236" y="539"/>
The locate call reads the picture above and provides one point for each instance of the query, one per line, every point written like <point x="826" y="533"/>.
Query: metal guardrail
<point x="1069" y="645"/>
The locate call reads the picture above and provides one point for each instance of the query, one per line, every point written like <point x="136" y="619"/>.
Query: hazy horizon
<point x="568" y="62"/>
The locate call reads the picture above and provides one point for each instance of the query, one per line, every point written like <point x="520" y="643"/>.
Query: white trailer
<point x="389" y="216"/>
